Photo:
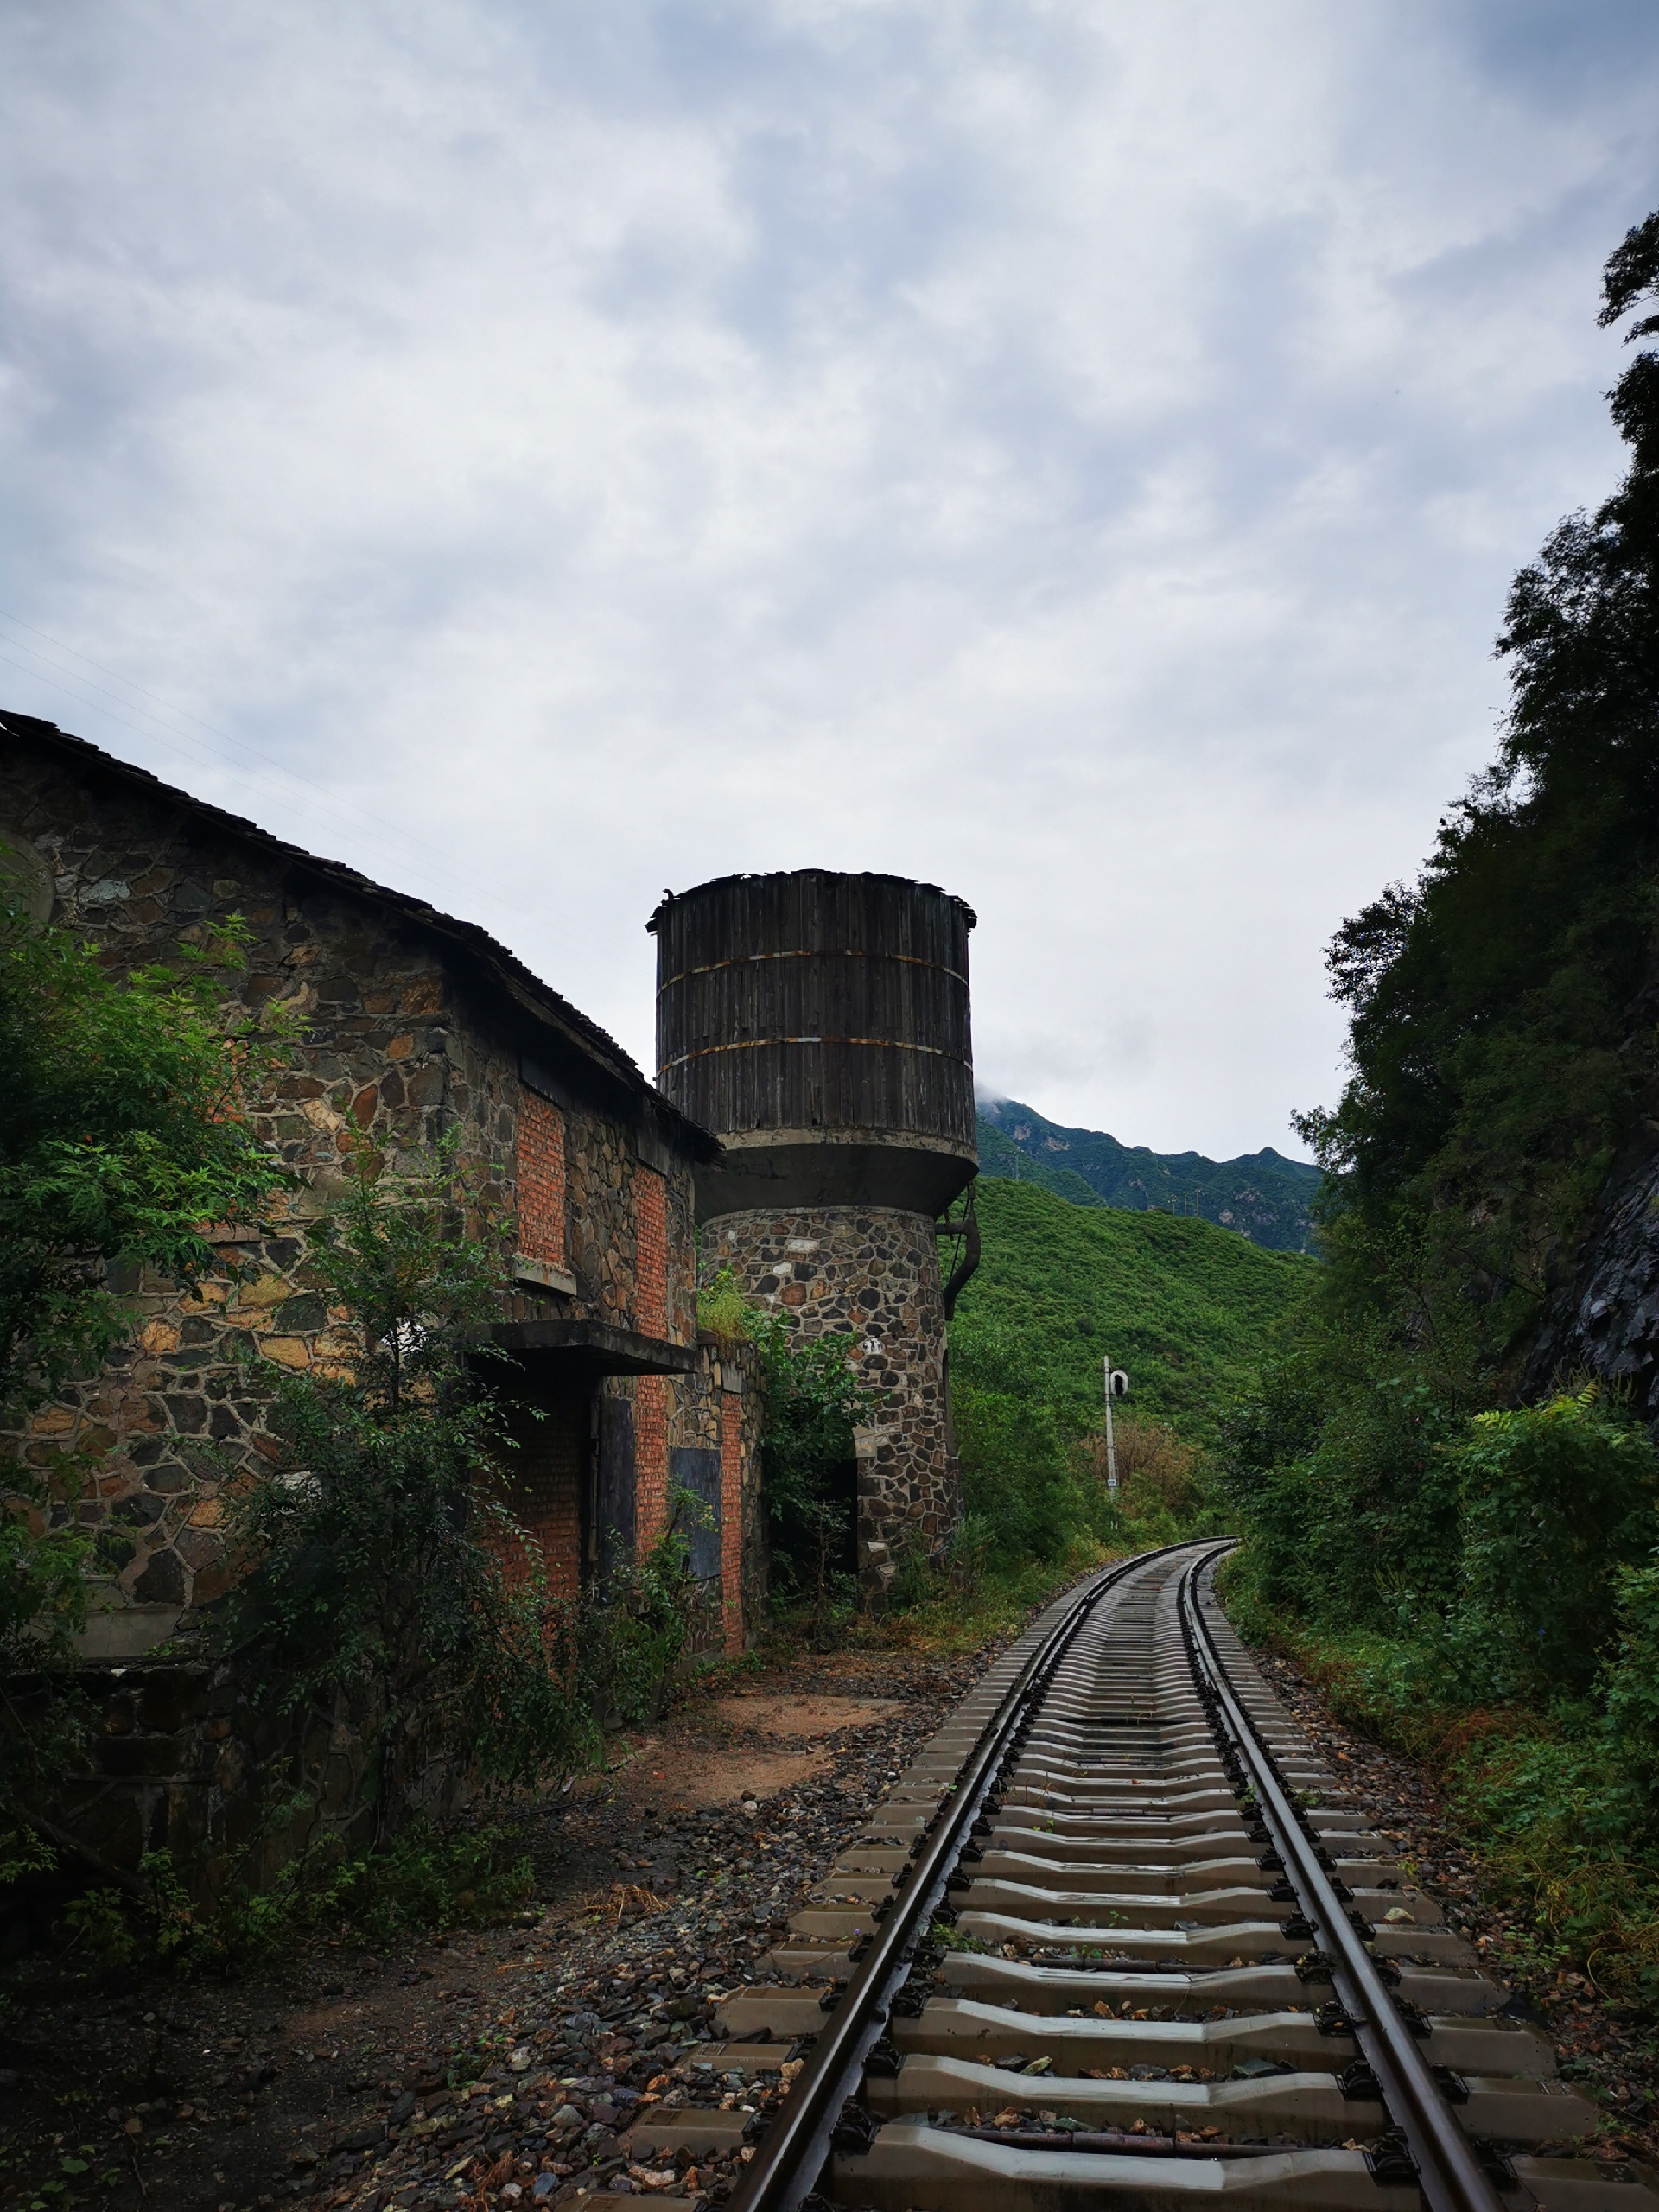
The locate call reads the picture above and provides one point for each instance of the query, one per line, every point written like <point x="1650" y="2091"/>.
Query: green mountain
<point x="1261" y="1195"/>
<point x="1186" y="1309"/>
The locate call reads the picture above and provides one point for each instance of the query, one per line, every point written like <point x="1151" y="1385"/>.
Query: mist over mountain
<point x="1261" y="1195"/>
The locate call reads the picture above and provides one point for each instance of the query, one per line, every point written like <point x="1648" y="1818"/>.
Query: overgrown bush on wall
<point x="378" y="1564"/>
<point x="379" y="1578"/>
<point x="123" y="1135"/>
<point x="813" y="1405"/>
<point x="382" y="1581"/>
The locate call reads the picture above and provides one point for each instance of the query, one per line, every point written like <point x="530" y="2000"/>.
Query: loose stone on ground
<point x="507" y="2067"/>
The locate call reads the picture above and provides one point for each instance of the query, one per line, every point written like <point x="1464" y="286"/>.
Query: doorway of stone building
<point x="814" y="1513"/>
<point x="546" y="1485"/>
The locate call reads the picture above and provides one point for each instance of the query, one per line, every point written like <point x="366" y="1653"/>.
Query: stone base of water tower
<point x="869" y="1275"/>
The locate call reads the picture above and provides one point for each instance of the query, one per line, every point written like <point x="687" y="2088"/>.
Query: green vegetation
<point x="123" y="1136"/>
<point x="1261" y="1195"/>
<point x="424" y="1877"/>
<point x="1475" y="1576"/>
<point x="124" y="1132"/>
<point x="384" y="1586"/>
<point x="814" y="1402"/>
<point x="382" y="1572"/>
<point x="1184" y="1307"/>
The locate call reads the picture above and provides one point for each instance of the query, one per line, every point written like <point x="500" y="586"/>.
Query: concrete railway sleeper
<point x="1117" y="1937"/>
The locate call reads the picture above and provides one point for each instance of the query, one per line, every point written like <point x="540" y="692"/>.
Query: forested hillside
<point x="1261" y="1195"/>
<point x="1448" y="1488"/>
<point x="1186" y="1308"/>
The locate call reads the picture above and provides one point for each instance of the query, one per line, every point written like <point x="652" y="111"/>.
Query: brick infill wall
<point x="650" y="1253"/>
<point x="651" y="1410"/>
<point x="731" y="1519"/>
<point x="541" y="1181"/>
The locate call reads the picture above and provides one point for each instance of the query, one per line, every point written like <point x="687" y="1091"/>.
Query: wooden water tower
<point x="818" y="1023"/>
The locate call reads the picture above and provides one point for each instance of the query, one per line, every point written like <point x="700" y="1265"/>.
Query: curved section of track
<point x="1117" y="1936"/>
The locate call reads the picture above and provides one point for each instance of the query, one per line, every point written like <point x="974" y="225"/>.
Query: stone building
<point x="417" y="1025"/>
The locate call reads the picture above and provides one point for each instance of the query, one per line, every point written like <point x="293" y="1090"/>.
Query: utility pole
<point x="1117" y="1386"/>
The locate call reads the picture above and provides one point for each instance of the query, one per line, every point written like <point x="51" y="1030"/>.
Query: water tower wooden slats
<point x="818" y="1024"/>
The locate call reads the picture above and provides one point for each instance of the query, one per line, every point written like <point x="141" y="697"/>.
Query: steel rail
<point x="1451" y="2177"/>
<point x="790" y="2155"/>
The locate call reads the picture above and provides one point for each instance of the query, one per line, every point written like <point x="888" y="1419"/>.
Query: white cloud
<point x="1075" y="455"/>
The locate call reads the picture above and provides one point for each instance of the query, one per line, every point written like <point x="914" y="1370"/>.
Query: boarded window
<point x="694" y="1468"/>
<point x="613" y="1516"/>
<point x="541" y="1181"/>
<point x="650" y="1253"/>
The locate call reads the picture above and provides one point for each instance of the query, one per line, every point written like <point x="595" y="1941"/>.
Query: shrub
<point x="1553" y="1500"/>
<point x="124" y="1132"/>
<point x="1524" y="1667"/>
<point x="814" y="1405"/>
<point x="42" y="1607"/>
<point x="1163" y="1485"/>
<point x="380" y="1564"/>
<point x="631" y="1625"/>
<point x="424" y="1877"/>
<point x="1338" y="1477"/>
<point x="725" y="1312"/>
<point x="1632" y="1694"/>
<point x="1023" y="1495"/>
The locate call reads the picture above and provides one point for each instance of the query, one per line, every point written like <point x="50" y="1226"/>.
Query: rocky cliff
<point x="1604" y="1320"/>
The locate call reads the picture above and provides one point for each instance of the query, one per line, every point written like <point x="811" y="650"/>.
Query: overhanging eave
<point x="568" y="1353"/>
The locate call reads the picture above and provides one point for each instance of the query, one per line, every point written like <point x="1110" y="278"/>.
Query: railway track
<point x="1118" y="1937"/>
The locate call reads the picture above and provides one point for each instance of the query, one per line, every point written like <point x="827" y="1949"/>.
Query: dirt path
<point x="344" y="2081"/>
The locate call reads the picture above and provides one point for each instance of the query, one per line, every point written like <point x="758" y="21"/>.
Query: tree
<point x="1502" y="1036"/>
<point x="1502" y="1050"/>
<point x="125" y="1134"/>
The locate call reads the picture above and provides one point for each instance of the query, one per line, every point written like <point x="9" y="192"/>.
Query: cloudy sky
<point x="1071" y="450"/>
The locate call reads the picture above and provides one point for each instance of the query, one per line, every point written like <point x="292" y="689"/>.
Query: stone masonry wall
<point x="871" y="1275"/>
<point x="180" y="1759"/>
<point x="392" y="1038"/>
